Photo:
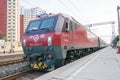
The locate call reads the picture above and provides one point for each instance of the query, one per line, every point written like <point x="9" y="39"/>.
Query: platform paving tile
<point x="101" y="65"/>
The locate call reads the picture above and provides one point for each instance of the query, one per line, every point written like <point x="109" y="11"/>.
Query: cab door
<point x="69" y="32"/>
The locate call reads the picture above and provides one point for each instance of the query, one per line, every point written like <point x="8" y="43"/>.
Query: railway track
<point x="11" y="59"/>
<point x="14" y="72"/>
<point x="11" y="56"/>
<point x="17" y="75"/>
<point x="4" y="63"/>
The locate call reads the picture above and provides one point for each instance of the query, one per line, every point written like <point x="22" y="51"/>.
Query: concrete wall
<point x="16" y="46"/>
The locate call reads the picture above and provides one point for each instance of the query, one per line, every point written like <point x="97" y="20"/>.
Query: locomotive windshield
<point x="47" y="23"/>
<point x="34" y="25"/>
<point x="41" y="24"/>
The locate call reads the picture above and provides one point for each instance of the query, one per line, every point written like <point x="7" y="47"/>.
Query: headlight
<point x="49" y="56"/>
<point x="24" y="42"/>
<point x="49" y="41"/>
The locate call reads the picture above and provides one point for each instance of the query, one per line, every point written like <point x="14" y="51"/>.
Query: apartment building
<point x="10" y="20"/>
<point x="13" y="19"/>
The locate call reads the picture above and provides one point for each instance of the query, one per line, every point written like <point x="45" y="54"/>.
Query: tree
<point x="115" y="40"/>
<point x="2" y="36"/>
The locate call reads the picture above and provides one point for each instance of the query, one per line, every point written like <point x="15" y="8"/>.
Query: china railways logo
<point x="35" y="38"/>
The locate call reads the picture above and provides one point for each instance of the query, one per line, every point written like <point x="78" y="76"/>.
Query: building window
<point x="9" y="26"/>
<point x="13" y="46"/>
<point x="2" y="47"/>
<point x="9" y="36"/>
<point x="9" y="6"/>
<point x="9" y="30"/>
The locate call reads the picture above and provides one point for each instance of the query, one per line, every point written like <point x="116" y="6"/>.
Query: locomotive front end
<point x="39" y="51"/>
<point x="37" y="43"/>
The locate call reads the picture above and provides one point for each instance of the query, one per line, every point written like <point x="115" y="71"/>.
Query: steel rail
<point x="11" y="56"/>
<point x="4" y="63"/>
<point x="17" y="75"/>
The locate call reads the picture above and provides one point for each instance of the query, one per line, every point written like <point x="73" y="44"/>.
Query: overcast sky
<point x="85" y="11"/>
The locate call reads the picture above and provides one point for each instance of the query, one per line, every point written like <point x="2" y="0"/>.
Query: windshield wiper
<point x="44" y="29"/>
<point x="38" y="29"/>
<point x="31" y="30"/>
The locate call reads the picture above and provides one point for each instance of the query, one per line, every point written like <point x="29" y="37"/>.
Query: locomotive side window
<point x="67" y="29"/>
<point x="47" y="23"/>
<point x="34" y="25"/>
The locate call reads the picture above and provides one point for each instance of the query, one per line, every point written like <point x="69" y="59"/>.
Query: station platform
<point x="101" y="65"/>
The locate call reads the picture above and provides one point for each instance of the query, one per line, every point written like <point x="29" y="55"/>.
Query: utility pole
<point x="11" y="50"/>
<point x="113" y="31"/>
<point x="118" y="20"/>
<point x="118" y="28"/>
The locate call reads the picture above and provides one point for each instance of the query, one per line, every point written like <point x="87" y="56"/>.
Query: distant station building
<point x="26" y="15"/>
<point x="9" y="20"/>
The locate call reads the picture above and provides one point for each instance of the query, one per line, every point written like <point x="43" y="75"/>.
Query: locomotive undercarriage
<point x="75" y="54"/>
<point x="42" y="61"/>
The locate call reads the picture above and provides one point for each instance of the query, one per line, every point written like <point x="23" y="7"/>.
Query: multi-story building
<point x="9" y="19"/>
<point x="3" y="18"/>
<point x="13" y="20"/>
<point x="26" y="15"/>
<point x="36" y="12"/>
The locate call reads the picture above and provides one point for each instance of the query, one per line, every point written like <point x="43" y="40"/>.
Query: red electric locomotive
<point x="52" y="41"/>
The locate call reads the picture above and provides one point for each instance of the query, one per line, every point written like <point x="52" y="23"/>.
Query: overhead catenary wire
<point x="74" y="12"/>
<point x="30" y="3"/>
<point x="74" y="5"/>
<point x="64" y="5"/>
